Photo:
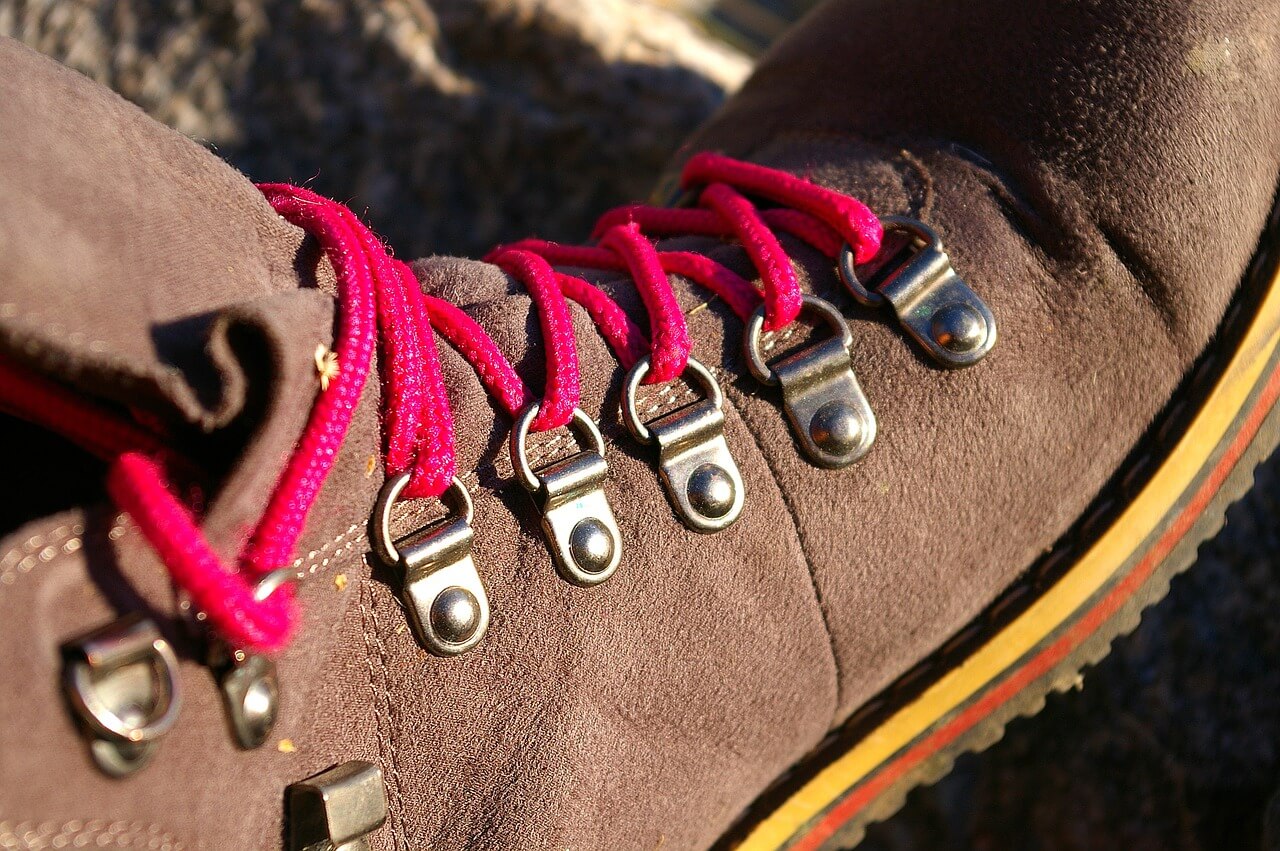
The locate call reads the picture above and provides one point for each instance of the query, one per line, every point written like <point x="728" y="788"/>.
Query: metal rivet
<point x="455" y="614"/>
<point x="933" y="304"/>
<point x="830" y="415"/>
<point x="711" y="491"/>
<point x="577" y="521"/>
<point x="835" y="428"/>
<point x="958" y="328"/>
<point x="591" y="545"/>
<point x="441" y="589"/>
<point x="698" y="471"/>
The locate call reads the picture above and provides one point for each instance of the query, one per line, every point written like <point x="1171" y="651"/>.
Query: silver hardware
<point x="933" y="304"/>
<point x="122" y="682"/>
<point x="249" y="682"/>
<point x="447" y="604"/>
<point x="337" y="809"/>
<point x="251" y="692"/>
<point x="576" y="518"/>
<point x="829" y="413"/>
<point x="701" y="478"/>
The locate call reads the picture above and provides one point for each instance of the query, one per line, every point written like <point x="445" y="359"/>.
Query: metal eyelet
<point x="701" y="478"/>
<point x="272" y="582"/>
<point x="249" y="682"/>
<point x="938" y="309"/>
<point x="442" y="592"/>
<point x="577" y="520"/>
<point x="121" y="680"/>
<point x="830" y="415"/>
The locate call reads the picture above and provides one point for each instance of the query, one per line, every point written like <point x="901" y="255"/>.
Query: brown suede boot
<point x="818" y="593"/>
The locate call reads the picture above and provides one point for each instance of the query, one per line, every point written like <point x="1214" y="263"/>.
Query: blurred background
<point x="457" y="124"/>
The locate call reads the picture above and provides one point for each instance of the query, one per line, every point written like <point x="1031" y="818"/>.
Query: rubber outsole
<point x="1194" y="464"/>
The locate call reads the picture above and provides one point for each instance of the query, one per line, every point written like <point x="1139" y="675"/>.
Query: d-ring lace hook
<point x="700" y="475"/>
<point x="440" y="587"/>
<point x="576" y="518"/>
<point x="829" y="413"/>
<point x="382" y="309"/>
<point x="938" y="309"/>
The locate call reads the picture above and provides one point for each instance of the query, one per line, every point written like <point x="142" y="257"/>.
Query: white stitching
<point x="33" y="836"/>
<point x="784" y="336"/>
<point x="34" y="321"/>
<point x="341" y="542"/>
<point x="45" y="547"/>
<point x="69" y="538"/>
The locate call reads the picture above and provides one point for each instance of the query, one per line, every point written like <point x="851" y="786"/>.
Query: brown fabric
<point x="113" y="220"/>
<point x="1100" y="173"/>
<point x="141" y="268"/>
<point x="590" y="714"/>
<point x="575" y="710"/>
<point x="647" y="712"/>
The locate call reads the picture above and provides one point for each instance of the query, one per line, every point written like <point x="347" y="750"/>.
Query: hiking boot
<point x="952" y="350"/>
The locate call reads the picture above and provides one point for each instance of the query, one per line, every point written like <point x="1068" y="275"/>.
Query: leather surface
<point x="1099" y="174"/>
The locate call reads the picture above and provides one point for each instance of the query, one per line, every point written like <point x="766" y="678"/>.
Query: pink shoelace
<point x="381" y="308"/>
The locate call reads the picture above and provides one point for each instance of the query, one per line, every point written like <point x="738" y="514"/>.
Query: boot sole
<point x="1145" y="528"/>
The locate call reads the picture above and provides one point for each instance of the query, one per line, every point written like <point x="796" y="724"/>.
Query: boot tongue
<point x="139" y="269"/>
<point x="121" y="242"/>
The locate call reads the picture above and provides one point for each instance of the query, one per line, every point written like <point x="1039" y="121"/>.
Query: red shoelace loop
<point x="563" y="389"/>
<point x="381" y="307"/>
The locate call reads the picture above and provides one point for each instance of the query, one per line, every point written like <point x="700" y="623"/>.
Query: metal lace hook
<point x="830" y="415"/>
<point x="122" y="682"/>
<point x="442" y="592"/>
<point x="938" y="309"/>
<point x="250" y="682"/>
<point x="577" y="520"/>
<point x="699" y="473"/>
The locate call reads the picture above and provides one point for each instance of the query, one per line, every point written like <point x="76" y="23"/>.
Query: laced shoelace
<point x="381" y="309"/>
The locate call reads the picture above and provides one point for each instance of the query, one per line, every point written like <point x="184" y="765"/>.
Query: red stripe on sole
<point x="1042" y="663"/>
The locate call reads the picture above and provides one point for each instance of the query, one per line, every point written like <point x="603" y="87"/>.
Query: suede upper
<point x="1099" y="174"/>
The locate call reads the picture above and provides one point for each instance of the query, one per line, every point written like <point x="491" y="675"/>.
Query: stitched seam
<point x="37" y="836"/>
<point x="1048" y="569"/>
<point x="384" y="711"/>
<point x="35" y="321"/>
<point x="49" y="547"/>
<point x="1140" y="270"/>
<point x="730" y="393"/>
<point x="922" y="196"/>
<point x="347" y="541"/>
<point x="68" y="539"/>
